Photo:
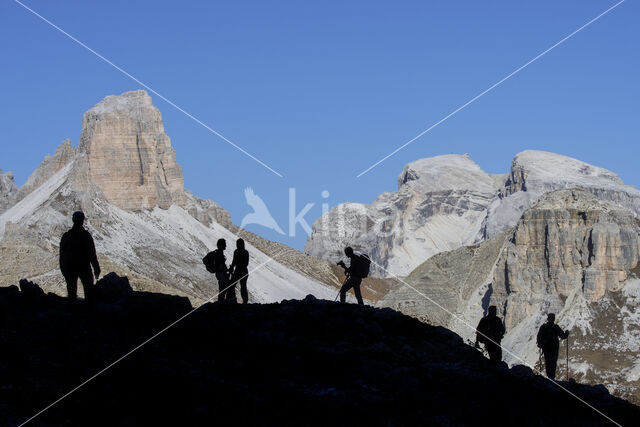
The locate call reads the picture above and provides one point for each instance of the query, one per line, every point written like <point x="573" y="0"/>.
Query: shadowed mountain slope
<point x="306" y="362"/>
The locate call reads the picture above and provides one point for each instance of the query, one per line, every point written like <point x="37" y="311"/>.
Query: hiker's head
<point x="222" y="244"/>
<point x="240" y="244"/>
<point x="551" y="318"/>
<point x="492" y="310"/>
<point x="78" y="218"/>
<point x="348" y="251"/>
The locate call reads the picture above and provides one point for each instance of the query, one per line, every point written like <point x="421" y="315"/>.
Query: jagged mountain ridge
<point x="571" y="253"/>
<point x="440" y="205"/>
<point x="446" y="202"/>
<point x="124" y="176"/>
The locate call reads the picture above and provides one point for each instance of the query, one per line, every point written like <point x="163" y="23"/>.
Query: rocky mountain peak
<point x="63" y="155"/>
<point x="542" y="170"/>
<point x="446" y="172"/>
<point x="128" y="155"/>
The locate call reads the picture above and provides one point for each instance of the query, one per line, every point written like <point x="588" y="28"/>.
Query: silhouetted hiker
<point x="216" y="263"/>
<point x="548" y="340"/>
<point x="357" y="270"/>
<point x="490" y="331"/>
<point x="239" y="270"/>
<point x="77" y="255"/>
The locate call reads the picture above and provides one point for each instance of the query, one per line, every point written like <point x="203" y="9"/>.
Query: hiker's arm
<point x="479" y="332"/>
<point x="563" y="334"/>
<point x="234" y="262"/>
<point x="94" y="258"/>
<point x="538" y="338"/>
<point x="63" y="256"/>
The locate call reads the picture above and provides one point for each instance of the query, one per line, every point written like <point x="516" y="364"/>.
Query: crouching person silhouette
<point x="357" y="270"/>
<point x="77" y="255"/>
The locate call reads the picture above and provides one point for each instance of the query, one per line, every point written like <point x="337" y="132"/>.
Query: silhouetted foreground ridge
<point x="293" y="363"/>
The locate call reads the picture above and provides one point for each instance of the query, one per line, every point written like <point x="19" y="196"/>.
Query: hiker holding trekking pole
<point x="357" y="270"/>
<point x="548" y="340"/>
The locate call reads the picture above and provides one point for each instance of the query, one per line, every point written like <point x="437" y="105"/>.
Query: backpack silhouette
<point x="209" y="262"/>
<point x="362" y="265"/>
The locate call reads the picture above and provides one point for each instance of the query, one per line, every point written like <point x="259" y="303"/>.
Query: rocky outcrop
<point x="8" y="191"/>
<point x="128" y="155"/>
<point x="449" y="285"/>
<point x="291" y="363"/>
<point x="63" y="155"/>
<point x="207" y="211"/>
<point x="439" y="206"/>
<point x="569" y="241"/>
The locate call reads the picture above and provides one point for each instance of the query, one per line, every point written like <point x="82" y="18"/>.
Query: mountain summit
<point x="128" y="155"/>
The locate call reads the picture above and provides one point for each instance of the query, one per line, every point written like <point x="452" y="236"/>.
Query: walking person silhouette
<point x="239" y="270"/>
<point x="548" y="340"/>
<point x="77" y="256"/>
<point x="357" y="270"/>
<point x="490" y="331"/>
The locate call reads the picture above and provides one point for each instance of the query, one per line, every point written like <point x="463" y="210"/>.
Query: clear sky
<point x="321" y="90"/>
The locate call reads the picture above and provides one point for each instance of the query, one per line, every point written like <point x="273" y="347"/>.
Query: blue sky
<point x="321" y="90"/>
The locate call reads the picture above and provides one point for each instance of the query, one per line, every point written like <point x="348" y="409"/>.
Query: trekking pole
<point x="567" y="357"/>
<point x="345" y="281"/>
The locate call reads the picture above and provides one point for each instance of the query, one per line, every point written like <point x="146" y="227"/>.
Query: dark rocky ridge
<point x="293" y="363"/>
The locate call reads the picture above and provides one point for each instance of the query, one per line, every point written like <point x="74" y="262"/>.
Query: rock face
<point x="8" y="191"/>
<point x="570" y="241"/>
<point x="440" y="205"/>
<point x="128" y="154"/>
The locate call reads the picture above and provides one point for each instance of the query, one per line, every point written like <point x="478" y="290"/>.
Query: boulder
<point x="30" y="289"/>
<point x="112" y="288"/>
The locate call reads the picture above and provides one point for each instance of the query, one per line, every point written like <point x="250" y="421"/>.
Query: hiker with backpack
<point x="490" y="331"/>
<point x="215" y="262"/>
<point x="548" y="340"/>
<point x="357" y="270"/>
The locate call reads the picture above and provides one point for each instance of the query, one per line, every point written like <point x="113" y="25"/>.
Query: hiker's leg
<point x="344" y="289"/>
<point x="222" y="284"/>
<point x="495" y="353"/>
<point x="553" y="364"/>
<point x="231" y="293"/>
<point x="72" y="285"/>
<point x="356" y="290"/>
<point x="86" y="277"/>
<point x="550" y="360"/>
<point x="243" y="289"/>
